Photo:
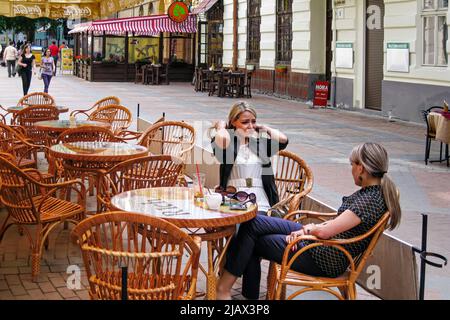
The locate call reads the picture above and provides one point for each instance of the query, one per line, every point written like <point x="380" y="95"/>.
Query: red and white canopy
<point x="149" y="25"/>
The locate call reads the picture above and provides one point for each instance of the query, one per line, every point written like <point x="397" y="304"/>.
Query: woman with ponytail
<point x="267" y="237"/>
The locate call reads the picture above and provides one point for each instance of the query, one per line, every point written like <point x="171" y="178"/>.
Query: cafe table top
<point x="15" y="109"/>
<point x="62" y="125"/>
<point x="98" y="151"/>
<point x="177" y="205"/>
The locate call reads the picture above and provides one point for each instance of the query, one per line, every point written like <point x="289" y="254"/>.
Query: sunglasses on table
<point x="232" y="193"/>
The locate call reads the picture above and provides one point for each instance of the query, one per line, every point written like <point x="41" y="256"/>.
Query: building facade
<point x="385" y="55"/>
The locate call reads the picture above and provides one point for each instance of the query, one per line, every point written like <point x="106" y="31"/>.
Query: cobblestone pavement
<point x="323" y="138"/>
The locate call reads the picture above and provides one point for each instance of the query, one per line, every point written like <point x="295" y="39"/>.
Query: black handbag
<point x="19" y="69"/>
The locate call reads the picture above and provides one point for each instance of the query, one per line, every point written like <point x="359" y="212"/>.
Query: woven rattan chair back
<point x="162" y="260"/>
<point x="293" y="179"/>
<point x="107" y="101"/>
<point x="119" y="117"/>
<point x="145" y="172"/>
<point x="33" y="206"/>
<point x="30" y="115"/>
<point x="283" y="275"/>
<point x="36" y="99"/>
<point x="169" y="138"/>
<point x="17" y="192"/>
<point x="17" y="145"/>
<point x="88" y="133"/>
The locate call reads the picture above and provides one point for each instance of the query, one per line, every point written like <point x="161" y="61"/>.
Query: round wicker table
<point x="177" y="205"/>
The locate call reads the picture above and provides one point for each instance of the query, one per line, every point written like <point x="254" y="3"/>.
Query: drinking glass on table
<point x="198" y="183"/>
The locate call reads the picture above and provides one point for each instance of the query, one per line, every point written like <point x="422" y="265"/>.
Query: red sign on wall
<point x="321" y="93"/>
<point x="178" y="12"/>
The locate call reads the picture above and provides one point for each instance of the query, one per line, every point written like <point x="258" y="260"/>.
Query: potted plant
<point x="281" y="69"/>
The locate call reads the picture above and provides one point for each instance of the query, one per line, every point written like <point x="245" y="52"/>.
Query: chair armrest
<point x="128" y="135"/>
<point x="306" y="214"/>
<point x="74" y="113"/>
<point x="54" y="187"/>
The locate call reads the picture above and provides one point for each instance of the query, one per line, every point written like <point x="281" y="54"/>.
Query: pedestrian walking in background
<point x="55" y="51"/>
<point x="27" y="63"/>
<point x="47" y="69"/>
<point x="10" y="56"/>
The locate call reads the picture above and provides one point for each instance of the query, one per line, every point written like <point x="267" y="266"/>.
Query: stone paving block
<point x="58" y="282"/>
<point x="6" y="295"/>
<point x="66" y="293"/>
<point x="13" y="279"/>
<point x="3" y="285"/>
<point x="47" y="287"/>
<point x="36" y="294"/>
<point x="53" y="296"/>
<point x="58" y="268"/>
<point x="83" y="294"/>
<point x="23" y="297"/>
<point x="29" y="285"/>
<point x="9" y="270"/>
<point x="17" y="290"/>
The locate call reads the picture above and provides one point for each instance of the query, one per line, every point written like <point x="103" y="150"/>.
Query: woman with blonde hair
<point x="244" y="149"/>
<point x="267" y="237"/>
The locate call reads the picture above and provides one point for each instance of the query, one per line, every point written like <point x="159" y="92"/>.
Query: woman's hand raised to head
<point x="222" y="137"/>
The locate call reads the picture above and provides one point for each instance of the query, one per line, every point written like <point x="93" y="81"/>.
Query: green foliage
<point x="28" y="25"/>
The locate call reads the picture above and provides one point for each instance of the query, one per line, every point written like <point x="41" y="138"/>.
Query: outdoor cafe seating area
<point x="224" y="82"/>
<point x="152" y="208"/>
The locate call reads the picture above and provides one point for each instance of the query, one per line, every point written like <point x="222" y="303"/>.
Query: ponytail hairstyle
<point x="374" y="158"/>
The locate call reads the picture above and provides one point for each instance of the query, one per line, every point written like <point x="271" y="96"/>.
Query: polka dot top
<point x="369" y="205"/>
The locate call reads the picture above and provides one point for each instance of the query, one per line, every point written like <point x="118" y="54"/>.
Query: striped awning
<point x="149" y="25"/>
<point x="82" y="27"/>
<point x="204" y="6"/>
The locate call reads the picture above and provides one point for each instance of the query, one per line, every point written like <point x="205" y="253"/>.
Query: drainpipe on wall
<point x="334" y="79"/>
<point x="235" y="34"/>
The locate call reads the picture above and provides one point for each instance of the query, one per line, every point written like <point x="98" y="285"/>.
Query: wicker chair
<point x="36" y="99"/>
<point x="280" y="275"/>
<point x="431" y="134"/>
<point x="27" y="117"/>
<point x="119" y="117"/>
<point x="111" y="100"/>
<point x="293" y="179"/>
<point x="169" y="138"/>
<point x="162" y="260"/>
<point x="128" y="135"/>
<point x="35" y="206"/>
<point x="145" y="172"/>
<point x="24" y="153"/>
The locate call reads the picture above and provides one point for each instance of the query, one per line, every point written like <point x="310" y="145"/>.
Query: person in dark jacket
<point x="244" y="150"/>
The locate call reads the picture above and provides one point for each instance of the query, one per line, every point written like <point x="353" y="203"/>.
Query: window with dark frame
<point x="215" y="35"/>
<point x="253" y="31"/>
<point x="284" y="32"/>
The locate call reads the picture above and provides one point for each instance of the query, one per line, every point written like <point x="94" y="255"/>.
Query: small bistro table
<point x="86" y="159"/>
<point x="63" y="125"/>
<point x="177" y="205"/>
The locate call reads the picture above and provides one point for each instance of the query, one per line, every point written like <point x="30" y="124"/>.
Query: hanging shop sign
<point x="178" y="12"/>
<point x="397" y="57"/>
<point x="344" y="55"/>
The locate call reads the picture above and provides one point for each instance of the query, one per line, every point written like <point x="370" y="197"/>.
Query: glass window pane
<point x="428" y="40"/>
<point x="442" y="41"/>
<point x="115" y="49"/>
<point x="98" y="49"/>
<point x="443" y="4"/>
<point x="428" y="4"/>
